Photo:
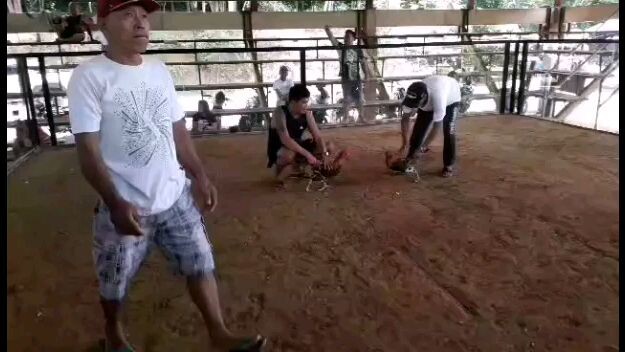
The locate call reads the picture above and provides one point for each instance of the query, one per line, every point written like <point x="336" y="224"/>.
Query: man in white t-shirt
<point x="135" y="151"/>
<point x="435" y="99"/>
<point x="282" y="86"/>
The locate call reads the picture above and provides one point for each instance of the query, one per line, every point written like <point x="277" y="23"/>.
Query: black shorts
<point x="308" y="144"/>
<point x="352" y="91"/>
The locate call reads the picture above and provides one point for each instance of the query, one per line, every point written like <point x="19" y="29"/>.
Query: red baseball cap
<point x="105" y="7"/>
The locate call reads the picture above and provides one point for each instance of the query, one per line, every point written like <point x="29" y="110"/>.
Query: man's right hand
<point x="126" y="219"/>
<point x="403" y="150"/>
<point x="312" y="160"/>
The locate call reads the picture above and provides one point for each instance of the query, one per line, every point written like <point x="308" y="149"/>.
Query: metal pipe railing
<point x="521" y="47"/>
<point x="331" y="48"/>
<point x="514" y="73"/>
<point x="523" y="72"/>
<point x="388" y="36"/>
<point x="504" y="80"/>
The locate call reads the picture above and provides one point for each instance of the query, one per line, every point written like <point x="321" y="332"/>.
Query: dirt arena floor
<point x="518" y="252"/>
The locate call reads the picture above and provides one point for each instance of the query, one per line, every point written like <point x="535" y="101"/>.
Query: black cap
<point x="414" y="94"/>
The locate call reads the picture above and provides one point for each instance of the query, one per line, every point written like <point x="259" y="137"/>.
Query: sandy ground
<point x="518" y="252"/>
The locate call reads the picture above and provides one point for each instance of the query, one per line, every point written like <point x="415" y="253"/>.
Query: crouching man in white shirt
<point x="135" y="151"/>
<point x="435" y="99"/>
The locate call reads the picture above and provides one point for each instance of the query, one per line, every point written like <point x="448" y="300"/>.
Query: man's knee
<point x="330" y="146"/>
<point x="286" y="157"/>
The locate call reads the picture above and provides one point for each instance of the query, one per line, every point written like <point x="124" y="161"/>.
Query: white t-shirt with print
<point x="133" y="109"/>
<point x="442" y="92"/>
<point x="283" y="87"/>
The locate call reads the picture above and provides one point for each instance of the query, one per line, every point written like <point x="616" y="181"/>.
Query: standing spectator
<point x="351" y="61"/>
<point x="282" y="86"/>
<point x="135" y="151"/>
<point x="322" y="99"/>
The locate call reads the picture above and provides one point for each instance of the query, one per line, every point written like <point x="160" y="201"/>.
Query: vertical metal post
<point x="382" y="69"/>
<point x="317" y="46"/>
<point x="302" y="66"/>
<point x="504" y="78"/>
<point x="521" y="97"/>
<point x="47" y="100"/>
<point x="61" y="57"/>
<point x="561" y="15"/>
<point x="199" y="69"/>
<point x="514" y="71"/>
<point x="22" y="64"/>
<point x="600" y="89"/>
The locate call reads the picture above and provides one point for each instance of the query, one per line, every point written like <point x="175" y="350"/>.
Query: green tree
<point x="312" y="5"/>
<point x="410" y="4"/>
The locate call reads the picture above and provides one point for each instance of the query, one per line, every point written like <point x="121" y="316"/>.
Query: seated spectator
<point x="72" y="28"/>
<point x="22" y="139"/>
<point x="204" y="114"/>
<point x="220" y="99"/>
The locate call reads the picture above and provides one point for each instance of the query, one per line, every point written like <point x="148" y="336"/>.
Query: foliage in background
<point x="312" y="5"/>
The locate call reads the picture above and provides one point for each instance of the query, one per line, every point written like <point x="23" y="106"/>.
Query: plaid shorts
<point x="179" y="232"/>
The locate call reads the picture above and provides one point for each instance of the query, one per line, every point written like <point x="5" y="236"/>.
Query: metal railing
<point x="510" y="97"/>
<point x="422" y="37"/>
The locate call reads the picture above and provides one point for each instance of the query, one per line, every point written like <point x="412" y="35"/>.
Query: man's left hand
<point x="205" y="194"/>
<point x="326" y="160"/>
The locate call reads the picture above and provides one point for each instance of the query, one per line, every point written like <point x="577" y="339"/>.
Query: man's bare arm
<point x="93" y="168"/>
<point x="187" y="155"/>
<point x="123" y="214"/>
<point x="406" y="129"/>
<point x="281" y="96"/>
<point x="314" y="130"/>
<point x="285" y="138"/>
<point x="332" y="38"/>
<point x="204" y="193"/>
<point x="367" y="61"/>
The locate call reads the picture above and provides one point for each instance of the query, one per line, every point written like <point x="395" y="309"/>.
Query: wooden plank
<point x="186" y="21"/>
<point x="568" y="73"/>
<point x="179" y="21"/>
<point x="58" y="121"/>
<point x="507" y="16"/>
<point x="21" y="23"/>
<point x="303" y="20"/>
<point x="21" y="160"/>
<point x="554" y="96"/>
<point x="401" y="18"/>
<point x="597" y="13"/>
<point x="13" y="96"/>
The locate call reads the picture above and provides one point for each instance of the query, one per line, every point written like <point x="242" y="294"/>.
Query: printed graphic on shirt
<point x="146" y="124"/>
